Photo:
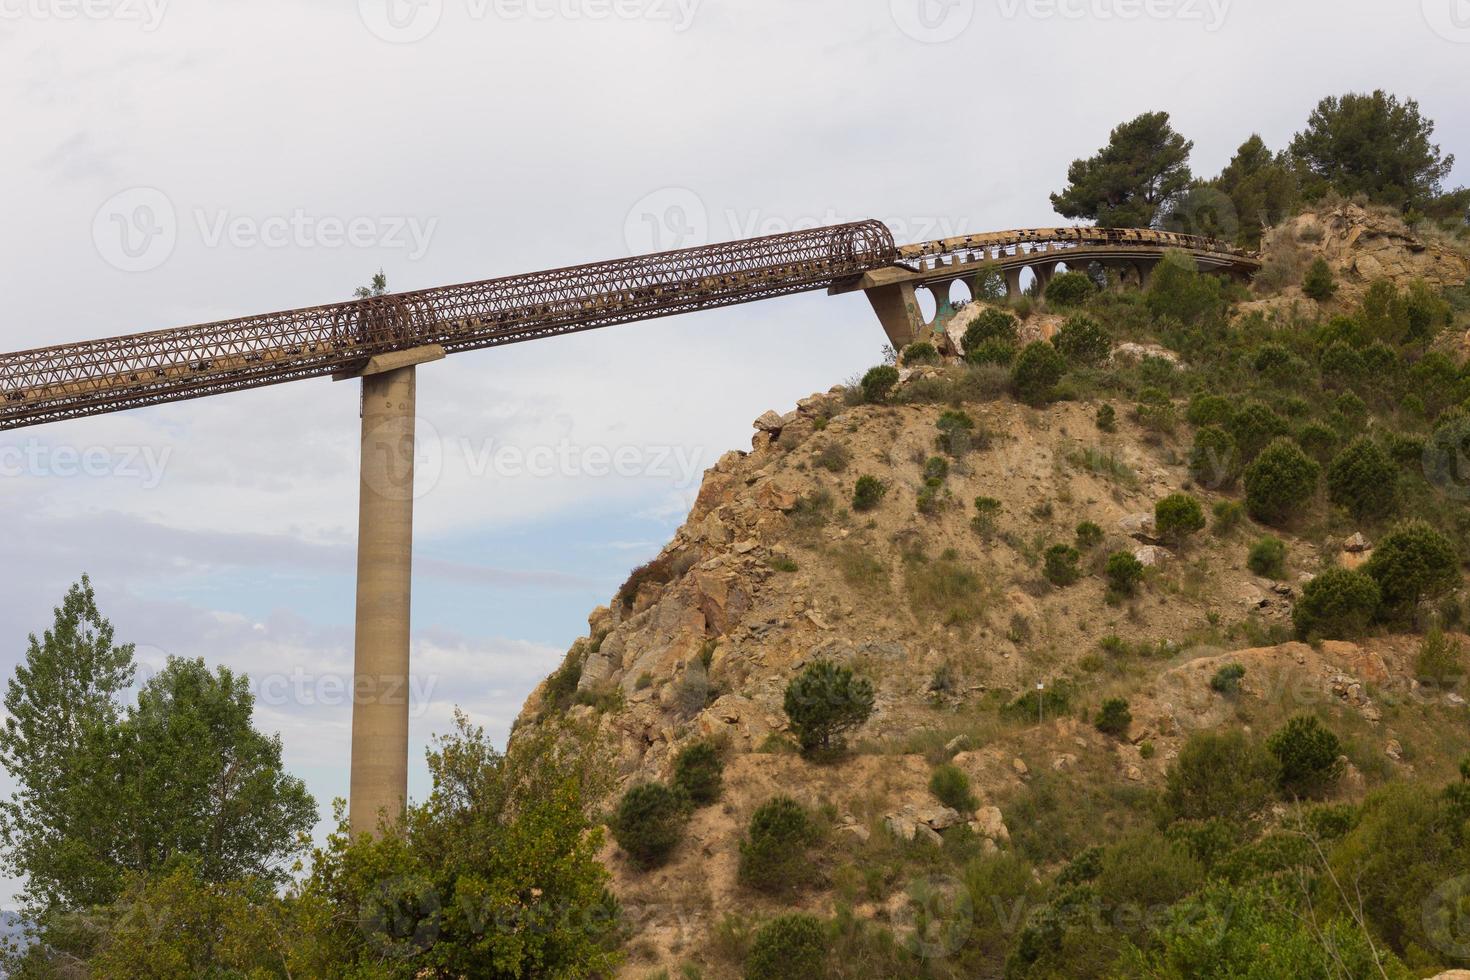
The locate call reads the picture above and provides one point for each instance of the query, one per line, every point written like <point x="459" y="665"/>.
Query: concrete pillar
<point x="898" y="310"/>
<point x="1013" y="283"/>
<point x="1044" y="271"/>
<point x="379" y="784"/>
<point x="943" y="309"/>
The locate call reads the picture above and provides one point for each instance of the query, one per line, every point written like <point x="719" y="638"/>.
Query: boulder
<point x="990" y="824"/>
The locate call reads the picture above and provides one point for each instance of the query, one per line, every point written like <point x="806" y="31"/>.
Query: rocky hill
<point x="980" y="656"/>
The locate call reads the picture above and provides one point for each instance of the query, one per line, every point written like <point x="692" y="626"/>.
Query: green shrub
<point x="1061" y="565"/>
<point x="1070" y="289"/>
<point x="878" y="383"/>
<point x="1178" y="516"/>
<point x="1210" y="410"/>
<point x="1220" y="774"/>
<point x="699" y="772"/>
<point x="1036" y="372"/>
<point x="1441" y="661"/>
<point x="1413" y="562"/>
<point x="1214" y="460"/>
<point x="1268" y="558"/>
<point x="987" y="510"/>
<point x="1364" y="480"/>
<point x="824" y="702"/>
<point x="1124" y="573"/>
<point x="1155" y="410"/>
<point x="1107" y="418"/>
<point x="991" y="352"/>
<point x="991" y="326"/>
<point x="868" y="494"/>
<point x="951" y="786"/>
<point x="1179" y="291"/>
<point x="648" y="823"/>
<point x="955" y="428"/>
<point x="1447" y="453"/>
<point x="922" y="352"/>
<point x="833" y="457"/>
<point x="1083" y="340"/>
<point x="1318" y="441"/>
<point x="1342" y="364"/>
<point x="773" y="852"/>
<point x="1280" y="482"/>
<point x="1253" y="427"/>
<point x="1319" y="283"/>
<point x="1114" y="718"/>
<point x="789" y="947"/>
<point x="1089" y="535"/>
<point x="1229" y="515"/>
<point x="1227" y="679"/>
<point x="1307" y="753"/>
<point x="1336" y="605"/>
<point x="936" y="468"/>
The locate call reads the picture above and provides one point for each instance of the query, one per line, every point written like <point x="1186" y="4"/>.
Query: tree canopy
<point x="1129" y="181"/>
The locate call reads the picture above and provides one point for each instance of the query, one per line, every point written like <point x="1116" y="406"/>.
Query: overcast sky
<point x="174" y="161"/>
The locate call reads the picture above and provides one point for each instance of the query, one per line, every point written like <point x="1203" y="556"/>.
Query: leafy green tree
<point x="202" y="781"/>
<point x="824" y="702"/>
<point x="1253" y="427"/>
<point x="1413" y="562"/>
<point x="494" y="875"/>
<point x="1210" y="410"/>
<point x="1319" y="283"/>
<point x="1178" y="291"/>
<point x="60" y="704"/>
<point x="1364" y="480"/>
<point x="1083" y="340"/>
<point x="1114" y="718"/>
<point x="1060" y="567"/>
<point x="1280" y="482"/>
<point x="1336" y="605"/>
<point x="1128" y="182"/>
<point x="1441" y="661"/>
<point x="1263" y="187"/>
<point x="950" y="786"/>
<point x="878" y="383"/>
<point x="920" y="353"/>
<point x="1214" y="460"/>
<point x="1036" y="372"/>
<point x="990" y="325"/>
<point x="868" y="493"/>
<point x="1124" y="572"/>
<point x="377" y="287"/>
<point x="1308" y="754"/>
<point x="1374" y="145"/>
<point x="1267" y="558"/>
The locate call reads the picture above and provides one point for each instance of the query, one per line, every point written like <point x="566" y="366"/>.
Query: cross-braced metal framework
<point x="118" y="373"/>
<point x="1026" y="241"/>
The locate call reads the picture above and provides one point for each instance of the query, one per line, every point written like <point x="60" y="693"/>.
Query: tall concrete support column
<point x="379" y="785"/>
<point x="1145" y="269"/>
<point x="898" y="310"/>
<point x="1044" y="271"/>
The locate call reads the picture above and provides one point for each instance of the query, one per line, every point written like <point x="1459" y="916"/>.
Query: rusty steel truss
<point x="100" y="376"/>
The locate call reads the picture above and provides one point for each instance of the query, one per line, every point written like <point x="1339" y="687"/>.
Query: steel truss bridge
<point x="118" y="373"/>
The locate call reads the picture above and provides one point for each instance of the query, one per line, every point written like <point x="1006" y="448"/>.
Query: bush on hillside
<point x="1089" y="535"/>
<point x="1227" y="679"/>
<point x="699" y="772"/>
<point x="1307" y="753"/>
<point x="1267" y="558"/>
<point x="922" y="352"/>
<point x="1412" y="563"/>
<point x="773" y="852"/>
<point x="1441" y="661"/>
<point x="1036" y="372"/>
<point x="1319" y="283"/>
<point x="1124" y="573"/>
<point x="1107" y="418"/>
<point x="990" y="326"/>
<point x="1336" y="605"/>
<point x="1363" y="480"/>
<point x="956" y="430"/>
<point x="868" y="493"/>
<point x="878" y="383"/>
<point x="1210" y="410"/>
<point x="1280" y="482"/>
<point x="1220" y="774"/>
<point x="1253" y="427"/>
<point x="1318" y="441"/>
<point x="648" y="822"/>
<point x="1060" y="566"/>
<point x="789" y="947"/>
<point x="996" y="352"/>
<point x="1114" y="718"/>
<point x="824" y="702"/>
<point x="951" y="786"/>
<point x="1070" y="289"/>
<point x="1177" y="517"/>
<point x="1083" y="340"/>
